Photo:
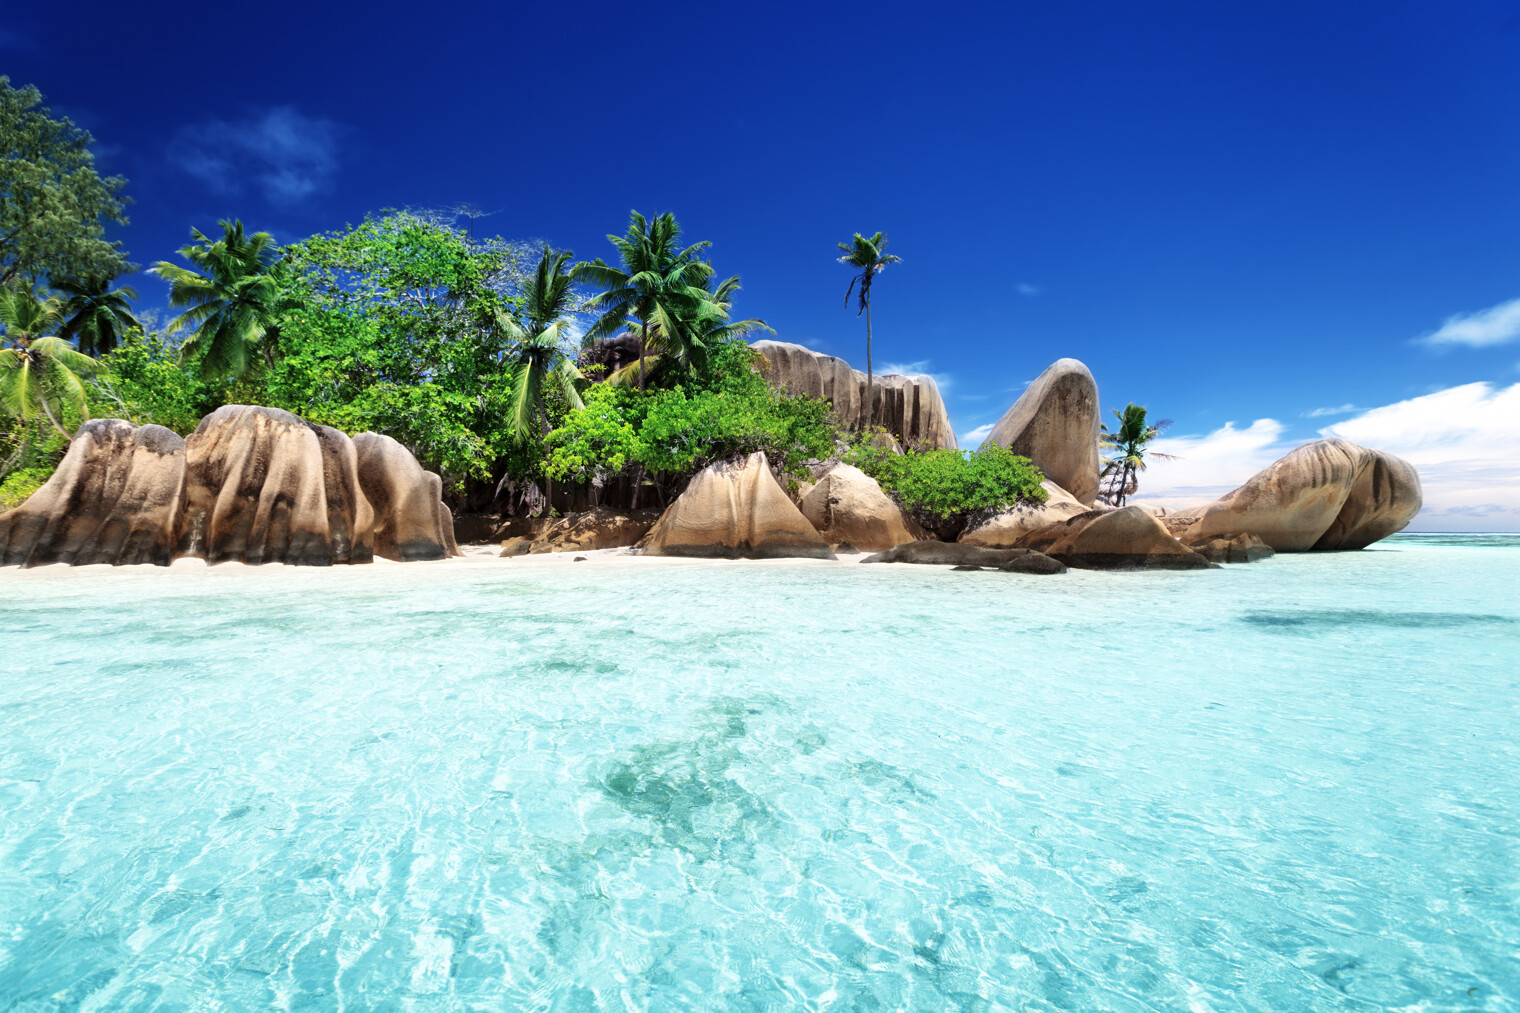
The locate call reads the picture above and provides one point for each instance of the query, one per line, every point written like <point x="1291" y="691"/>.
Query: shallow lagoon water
<point x="1293" y="785"/>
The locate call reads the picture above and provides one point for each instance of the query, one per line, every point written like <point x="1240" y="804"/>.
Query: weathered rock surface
<point x="601" y="528"/>
<point x="908" y="407"/>
<point x="848" y="507"/>
<point x="957" y="554"/>
<point x="411" y="521"/>
<point x="735" y="509"/>
<point x="265" y="486"/>
<point x="115" y="498"/>
<point x="1054" y="423"/>
<point x="1123" y="539"/>
<point x="1004" y="530"/>
<point x="1328" y="494"/>
<point x="1240" y="549"/>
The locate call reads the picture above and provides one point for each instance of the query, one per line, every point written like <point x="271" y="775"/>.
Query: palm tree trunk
<point x="870" y="377"/>
<point x="643" y="330"/>
<point x="56" y="425"/>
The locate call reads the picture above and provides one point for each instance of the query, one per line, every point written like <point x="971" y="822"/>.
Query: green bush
<point x="18" y="485"/>
<point x="944" y="490"/>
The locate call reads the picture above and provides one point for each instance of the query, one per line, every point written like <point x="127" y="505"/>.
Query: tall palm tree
<point x="40" y="372"/>
<point x="660" y="287"/>
<point x="869" y="258"/>
<point x="1129" y="441"/>
<point x="233" y="300"/>
<point x="95" y="316"/>
<point x="536" y="354"/>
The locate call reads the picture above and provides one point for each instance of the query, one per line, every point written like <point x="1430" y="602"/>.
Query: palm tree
<point x="536" y="355"/>
<point x="708" y="327"/>
<point x="660" y="287"/>
<point x="1128" y="441"/>
<point x="234" y="301"/>
<point x="869" y="258"/>
<point x="39" y="374"/>
<point x="95" y="315"/>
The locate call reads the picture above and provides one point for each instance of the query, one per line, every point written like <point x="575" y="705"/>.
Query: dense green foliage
<point x="41" y="375"/>
<point x="54" y="206"/>
<point x="944" y="490"/>
<point x="20" y="484"/>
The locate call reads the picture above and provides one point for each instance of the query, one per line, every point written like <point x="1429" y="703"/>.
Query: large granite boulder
<point x="115" y="498"/>
<point x="411" y="521"/>
<point x="1123" y="539"/>
<point x="265" y="486"/>
<point x="1054" y="423"/>
<point x="848" y="507"/>
<point x="735" y="509"/>
<point x="602" y="528"/>
<point x="970" y="557"/>
<point x="1003" y="530"/>
<point x="1328" y="494"/>
<point x="908" y="407"/>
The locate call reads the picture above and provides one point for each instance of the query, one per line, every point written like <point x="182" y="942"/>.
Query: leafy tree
<point x="145" y="380"/>
<point x="54" y="206"/>
<point x="536" y="354"/>
<point x="233" y="300"/>
<point x="709" y="328"/>
<point x="39" y="373"/>
<point x="1128" y="441"/>
<point x="96" y="315"/>
<point x="661" y="288"/>
<point x="869" y="258"/>
<point x="945" y="490"/>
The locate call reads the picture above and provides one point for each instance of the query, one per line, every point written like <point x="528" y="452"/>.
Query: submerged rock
<point x="116" y="498"/>
<point x="735" y="509"/>
<point x="1054" y="423"/>
<point x="960" y="555"/>
<point x="1240" y="549"/>
<point x="908" y="407"/>
<point x="1328" y="494"/>
<point x="849" y="508"/>
<point x="1003" y="530"/>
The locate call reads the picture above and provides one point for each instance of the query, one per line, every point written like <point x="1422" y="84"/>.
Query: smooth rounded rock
<point x="411" y="520"/>
<point x="1003" y="530"/>
<point x="1054" y="423"/>
<point x="735" y="509"/>
<point x="848" y="507"/>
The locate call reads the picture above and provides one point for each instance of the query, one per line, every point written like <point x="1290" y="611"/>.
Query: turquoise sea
<point x="677" y="785"/>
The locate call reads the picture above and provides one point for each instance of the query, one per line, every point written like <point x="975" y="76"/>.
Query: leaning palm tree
<point x="40" y="372"/>
<point x="1128" y="441"/>
<point x="869" y="258"/>
<point x="658" y="291"/>
<point x="535" y="354"/>
<point x="233" y="300"/>
<point x="95" y="316"/>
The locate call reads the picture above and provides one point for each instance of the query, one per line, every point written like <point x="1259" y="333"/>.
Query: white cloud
<point x="1493" y="326"/>
<point x="920" y="367"/>
<point x="1208" y="466"/>
<point x="973" y="439"/>
<point x="1027" y="289"/>
<point x="285" y="154"/>
<point x="1462" y="442"/>
<point x="1319" y="413"/>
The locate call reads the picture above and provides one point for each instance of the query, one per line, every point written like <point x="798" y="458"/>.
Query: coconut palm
<point x="707" y="328"/>
<point x="1128" y="441"/>
<point x="536" y="353"/>
<point x="40" y="372"/>
<point x="233" y="300"/>
<point x="659" y="291"/>
<point x="95" y="316"/>
<point x="869" y="258"/>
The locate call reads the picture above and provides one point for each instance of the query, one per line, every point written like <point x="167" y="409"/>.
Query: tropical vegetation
<point x="947" y="490"/>
<point x="1128" y="445"/>
<point x="869" y="258"/>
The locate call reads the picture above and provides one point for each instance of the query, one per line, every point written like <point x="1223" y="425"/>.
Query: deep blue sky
<point x="1229" y="211"/>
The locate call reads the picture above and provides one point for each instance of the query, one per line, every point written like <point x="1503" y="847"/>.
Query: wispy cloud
<point x="973" y="439"/>
<point x="281" y="152"/>
<point x="920" y="367"/>
<point x="1319" y="413"/>
<point x="1025" y="288"/>
<point x="1493" y="326"/>
<point x="1209" y="465"/>
<point x="1462" y="442"/>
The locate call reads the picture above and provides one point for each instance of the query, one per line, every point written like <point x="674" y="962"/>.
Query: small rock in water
<point x="578" y="559"/>
<point x="968" y="566"/>
<point x="1035" y="562"/>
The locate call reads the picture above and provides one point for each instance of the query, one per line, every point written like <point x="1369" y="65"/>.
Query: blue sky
<point x="1258" y="220"/>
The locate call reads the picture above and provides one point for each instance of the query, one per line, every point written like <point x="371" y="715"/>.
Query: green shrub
<point x="944" y="490"/>
<point x="18" y="485"/>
